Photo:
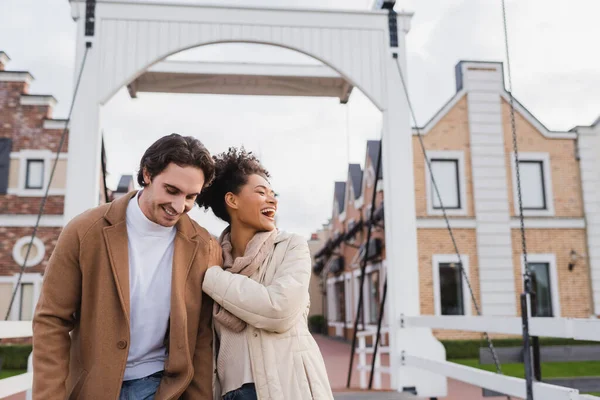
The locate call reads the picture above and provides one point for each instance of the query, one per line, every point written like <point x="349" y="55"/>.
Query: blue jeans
<point x="246" y="392"/>
<point x="141" y="389"/>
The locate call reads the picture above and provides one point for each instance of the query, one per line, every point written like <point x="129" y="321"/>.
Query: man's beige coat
<point x="81" y="323"/>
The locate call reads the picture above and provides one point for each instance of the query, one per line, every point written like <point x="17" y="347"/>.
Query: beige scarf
<point x="257" y="250"/>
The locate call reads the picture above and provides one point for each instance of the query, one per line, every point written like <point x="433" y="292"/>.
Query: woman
<point x="263" y="347"/>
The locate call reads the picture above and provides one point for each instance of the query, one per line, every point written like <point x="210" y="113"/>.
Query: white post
<point x="28" y="394"/>
<point x="377" y="368"/>
<point x="362" y="361"/>
<point x="83" y="167"/>
<point x="401" y="239"/>
<point x="589" y="153"/>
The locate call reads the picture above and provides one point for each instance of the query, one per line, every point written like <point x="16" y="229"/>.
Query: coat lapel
<point x="118" y="251"/>
<point x="185" y="248"/>
<point x="117" y="243"/>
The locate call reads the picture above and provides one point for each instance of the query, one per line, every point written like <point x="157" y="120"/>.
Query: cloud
<point x="303" y="141"/>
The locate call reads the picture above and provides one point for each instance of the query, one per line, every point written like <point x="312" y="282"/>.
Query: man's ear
<point x="147" y="178"/>
<point x="231" y="200"/>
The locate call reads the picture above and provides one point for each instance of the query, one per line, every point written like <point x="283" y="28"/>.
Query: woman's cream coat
<point x="286" y="361"/>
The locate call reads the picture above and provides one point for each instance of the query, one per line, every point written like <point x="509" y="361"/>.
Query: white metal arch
<point x="353" y="43"/>
<point x="131" y="35"/>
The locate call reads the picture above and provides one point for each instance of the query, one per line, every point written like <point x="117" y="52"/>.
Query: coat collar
<point x="185" y="247"/>
<point x="117" y="213"/>
<point x="281" y="235"/>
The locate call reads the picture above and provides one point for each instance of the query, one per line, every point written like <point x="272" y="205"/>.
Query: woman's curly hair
<point x="232" y="169"/>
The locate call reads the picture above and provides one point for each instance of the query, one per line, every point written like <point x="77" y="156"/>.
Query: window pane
<point x="445" y="173"/>
<point x="373" y="287"/>
<point x="5" y="295"/>
<point x="35" y="174"/>
<point x="540" y="274"/>
<point x="532" y="185"/>
<point x="451" y="290"/>
<point x="341" y="301"/>
<point x="26" y="302"/>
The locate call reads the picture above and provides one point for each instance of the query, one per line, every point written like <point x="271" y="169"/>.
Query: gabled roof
<point x="340" y="195"/>
<point x="355" y="175"/>
<point x="373" y="153"/>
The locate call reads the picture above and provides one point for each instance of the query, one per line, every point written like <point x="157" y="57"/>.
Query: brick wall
<point x="566" y="178"/>
<point x="437" y="241"/>
<point x="450" y="133"/>
<point x="8" y="238"/>
<point x="574" y="286"/>
<point x="12" y="204"/>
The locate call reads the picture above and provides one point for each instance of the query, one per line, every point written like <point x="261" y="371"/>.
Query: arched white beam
<point x="134" y="36"/>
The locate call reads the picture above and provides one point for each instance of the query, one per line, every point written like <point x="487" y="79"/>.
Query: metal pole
<point x="535" y="342"/>
<point x="526" y="346"/>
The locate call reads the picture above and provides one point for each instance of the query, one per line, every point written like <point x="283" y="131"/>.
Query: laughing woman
<point x="263" y="349"/>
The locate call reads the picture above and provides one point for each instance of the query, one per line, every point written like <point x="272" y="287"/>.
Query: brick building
<point x="469" y="144"/>
<point x="29" y="139"/>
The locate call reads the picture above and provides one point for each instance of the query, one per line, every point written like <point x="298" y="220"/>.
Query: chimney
<point x="479" y="76"/>
<point x="4" y="59"/>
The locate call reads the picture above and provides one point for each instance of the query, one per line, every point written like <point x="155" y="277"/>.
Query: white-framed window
<point x="26" y="296"/>
<point x="536" y="184"/>
<point x="450" y="290"/>
<point x="36" y="254"/>
<point x="448" y="169"/>
<point x="544" y="277"/>
<point x="336" y="299"/>
<point x="372" y="293"/>
<point x="348" y="298"/>
<point x="34" y="174"/>
<point x="35" y="167"/>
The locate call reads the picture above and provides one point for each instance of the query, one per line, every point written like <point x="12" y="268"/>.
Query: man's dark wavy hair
<point x="181" y="150"/>
<point x="232" y="169"/>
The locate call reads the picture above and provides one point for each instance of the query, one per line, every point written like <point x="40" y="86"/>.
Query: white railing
<point x="571" y="328"/>
<point x="23" y="382"/>
<point x="362" y="350"/>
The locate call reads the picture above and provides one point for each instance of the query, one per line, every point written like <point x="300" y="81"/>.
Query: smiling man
<point x="121" y="314"/>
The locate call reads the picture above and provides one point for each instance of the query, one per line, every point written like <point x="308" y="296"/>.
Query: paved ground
<point x="372" y="396"/>
<point x="337" y="356"/>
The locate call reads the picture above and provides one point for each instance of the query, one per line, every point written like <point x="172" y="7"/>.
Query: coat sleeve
<point x="275" y="307"/>
<point x="201" y="385"/>
<point x="54" y="317"/>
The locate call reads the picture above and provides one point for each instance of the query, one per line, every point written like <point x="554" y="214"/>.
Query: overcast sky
<point x="303" y="141"/>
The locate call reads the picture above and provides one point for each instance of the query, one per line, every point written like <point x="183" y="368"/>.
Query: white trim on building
<point x="48" y="157"/>
<point x="27" y="278"/>
<point x="37" y="100"/>
<point x="26" y="220"/>
<point x="12" y="76"/>
<point x="34" y="259"/>
<point x="55" y="123"/>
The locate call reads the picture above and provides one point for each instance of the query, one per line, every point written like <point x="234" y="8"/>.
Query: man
<point x="121" y="314"/>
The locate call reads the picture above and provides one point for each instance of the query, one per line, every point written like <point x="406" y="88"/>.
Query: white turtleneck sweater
<point x="150" y="266"/>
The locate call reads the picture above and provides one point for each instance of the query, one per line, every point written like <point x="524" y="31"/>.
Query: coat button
<point x="122" y="344"/>
<point x="255" y="334"/>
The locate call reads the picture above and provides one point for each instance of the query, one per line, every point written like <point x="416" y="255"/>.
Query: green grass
<point x="7" y="373"/>
<point x="549" y="370"/>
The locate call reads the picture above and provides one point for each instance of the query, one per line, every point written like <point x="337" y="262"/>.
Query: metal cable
<point x="45" y="198"/>
<point x="439" y="197"/>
